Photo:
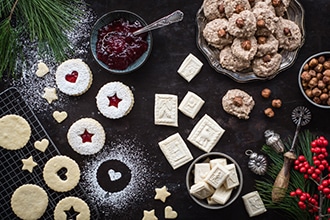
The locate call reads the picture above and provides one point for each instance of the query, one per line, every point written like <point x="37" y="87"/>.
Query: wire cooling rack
<point x="11" y="174"/>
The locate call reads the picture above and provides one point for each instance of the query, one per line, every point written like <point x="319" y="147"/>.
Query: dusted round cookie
<point x="114" y="100"/>
<point x="15" y="132"/>
<point x="231" y="62"/>
<point x="29" y="201"/>
<point x="266" y="19"/>
<point x="73" y="77"/>
<point x="267" y="65"/>
<point x="216" y="34"/>
<point x="54" y="180"/>
<point x="288" y="35"/>
<point x="238" y="103"/>
<point x="244" y="48"/>
<point x="235" y="7"/>
<point x="242" y="24"/>
<point x="86" y="136"/>
<point x="214" y="9"/>
<point x="79" y="206"/>
<point x="266" y="45"/>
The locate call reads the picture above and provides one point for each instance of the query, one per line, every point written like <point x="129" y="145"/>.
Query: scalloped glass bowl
<point x="295" y="13"/>
<point x="108" y="18"/>
<point x="190" y="179"/>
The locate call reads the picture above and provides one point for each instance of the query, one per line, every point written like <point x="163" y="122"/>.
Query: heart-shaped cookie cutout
<point x="42" y="69"/>
<point x="71" y="77"/>
<point x="170" y="213"/>
<point x="114" y="175"/>
<point x="41" y="145"/>
<point x="60" y="116"/>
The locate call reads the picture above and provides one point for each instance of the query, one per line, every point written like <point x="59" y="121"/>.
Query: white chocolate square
<point x="232" y="180"/>
<point x="166" y="110"/>
<point x="201" y="190"/>
<point x="217" y="176"/>
<point x="191" y="104"/>
<point x="253" y="204"/>
<point x="221" y="195"/>
<point x="190" y="67"/>
<point x="201" y="170"/>
<point x="175" y="150"/>
<point x="214" y="162"/>
<point x="206" y="133"/>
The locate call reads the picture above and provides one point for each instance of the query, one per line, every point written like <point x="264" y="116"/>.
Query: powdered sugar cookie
<point x="216" y="34"/>
<point x="73" y="77"/>
<point x="79" y="206"/>
<point x="15" y="132"/>
<point x="114" y="100"/>
<point x="86" y="136"/>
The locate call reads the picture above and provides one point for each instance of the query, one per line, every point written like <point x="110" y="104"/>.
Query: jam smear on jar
<point x="116" y="45"/>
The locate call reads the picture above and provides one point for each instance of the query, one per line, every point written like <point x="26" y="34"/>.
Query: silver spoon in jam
<point x="162" y="22"/>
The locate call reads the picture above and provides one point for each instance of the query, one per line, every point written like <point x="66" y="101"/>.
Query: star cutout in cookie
<point x="114" y="100"/>
<point x="50" y="94"/>
<point x="149" y="215"/>
<point x="86" y="136"/>
<point x="28" y="164"/>
<point x="162" y="193"/>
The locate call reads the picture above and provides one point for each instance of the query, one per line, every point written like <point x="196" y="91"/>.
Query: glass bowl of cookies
<point x="250" y="41"/>
<point x="214" y="180"/>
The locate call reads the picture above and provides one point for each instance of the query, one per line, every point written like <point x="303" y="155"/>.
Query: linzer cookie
<point x="75" y="203"/>
<point x="73" y="77"/>
<point x="115" y="100"/>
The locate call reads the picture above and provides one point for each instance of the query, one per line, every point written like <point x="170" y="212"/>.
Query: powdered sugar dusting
<point x="30" y="85"/>
<point x="143" y="177"/>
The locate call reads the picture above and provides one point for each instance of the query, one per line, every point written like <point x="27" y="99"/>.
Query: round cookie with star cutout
<point x="115" y="100"/>
<point x="86" y="136"/>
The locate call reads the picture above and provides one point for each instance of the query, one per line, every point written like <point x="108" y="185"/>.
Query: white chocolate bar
<point x="201" y="170"/>
<point x="201" y="190"/>
<point x="206" y="133"/>
<point x="221" y="195"/>
<point x="253" y="204"/>
<point x="232" y="180"/>
<point x="214" y="162"/>
<point x="190" y="67"/>
<point x="166" y="110"/>
<point x="217" y="176"/>
<point x="191" y="104"/>
<point x="175" y="150"/>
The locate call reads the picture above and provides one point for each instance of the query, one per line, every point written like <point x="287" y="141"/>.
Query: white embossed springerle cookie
<point x="166" y="110"/>
<point x="206" y="133"/>
<point x="191" y="104"/>
<point x="175" y="150"/>
<point x="190" y="67"/>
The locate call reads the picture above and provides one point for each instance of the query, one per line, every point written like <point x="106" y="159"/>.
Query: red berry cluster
<point x="316" y="172"/>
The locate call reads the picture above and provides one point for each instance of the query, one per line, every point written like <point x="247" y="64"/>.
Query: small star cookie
<point x="28" y="164"/>
<point x="149" y="215"/>
<point x="50" y="94"/>
<point x="162" y="193"/>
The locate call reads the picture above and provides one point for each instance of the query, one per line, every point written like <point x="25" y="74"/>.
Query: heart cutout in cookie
<point x="41" y="145"/>
<point x="114" y="175"/>
<point x="71" y="77"/>
<point x="170" y="213"/>
<point x="42" y="69"/>
<point x="60" y="116"/>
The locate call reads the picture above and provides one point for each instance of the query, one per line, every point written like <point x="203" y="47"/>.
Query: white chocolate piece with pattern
<point x="253" y="204"/>
<point x="217" y="176"/>
<point x="191" y="104"/>
<point x="201" y="190"/>
<point x="190" y="67"/>
<point x="232" y="180"/>
<point x="221" y="195"/>
<point x="166" y="110"/>
<point x="201" y="171"/>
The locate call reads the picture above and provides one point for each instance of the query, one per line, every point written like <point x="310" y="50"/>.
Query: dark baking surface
<point x="159" y="75"/>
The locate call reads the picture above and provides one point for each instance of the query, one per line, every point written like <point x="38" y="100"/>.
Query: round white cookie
<point x="114" y="100"/>
<point x="86" y="136"/>
<point x="73" y="77"/>
<point x="79" y="206"/>
<point x="29" y="201"/>
<point x="15" y="132"/>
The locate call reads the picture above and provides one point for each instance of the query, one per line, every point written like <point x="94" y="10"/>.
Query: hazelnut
<point x="269" y="112"/>
<point x="276" y="3"/>
<point x="261" y="40"/>
<point x="319" y="76"/>
<point x="267" y="58"/>
<point x="261" y="23"/>
<point x="326" y="73"/>
<point x="240" y="22"/>
<point x="321" y="59"/>
<point x="305" y="76"/>
<point x="287" y="31"/>
<point x="266" y="93"/>
<point x="326" y="65"/>
<point x="313" y="63"/>
<point x="277" y="103"/>
<point x="238" y="101"/>
<point x="222" y="33"/>
<point x="312" y="73"/>
<point x="306" y="67"/>
<point x="321" y="85"/>
<point x="326" y="79"/>
<point x="313" y="82"/>
<point x="324" y="97"/>
<point x="308" y="92"/>
<point x="317" y="100"/>
<point x="328" y="102"/>
<point x="246" y="45"/>
<point x="318" y="68"/>
<point x="316" y="92"/>
<point x="239" y="8"/>
<point x="221" y="8"/>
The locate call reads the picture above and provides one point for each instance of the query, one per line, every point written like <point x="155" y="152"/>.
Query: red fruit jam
<point x="71" y="77"/>
<point x="86" y="136"/>
<point x="116" y="45"/>
<point x="114" y="100"/>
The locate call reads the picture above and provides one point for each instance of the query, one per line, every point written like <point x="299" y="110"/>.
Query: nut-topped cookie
<point x="266" y="19"/>
<point x="266" y="45"/>
<point x="267" y="65"/>
<point x="216" y="33"/>
<point x="244" y="48"/>
<point x="242" y="24"/>
<point x="214" y="9"/>
<point x="235" y="7"/>
<point x="231" y="62"/>
<point x="288" y="34"/>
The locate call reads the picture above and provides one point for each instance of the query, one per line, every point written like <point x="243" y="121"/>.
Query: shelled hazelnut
<point x="277" y="103"/>
<point x="269" y="112"/>
<point x="266" y="93"/>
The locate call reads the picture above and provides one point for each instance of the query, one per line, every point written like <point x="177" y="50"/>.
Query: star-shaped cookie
<point x="50" y="94"/>
<point x="28" y="164"/>
<point x="162" y="193"/>
<point x="149" y="215"/>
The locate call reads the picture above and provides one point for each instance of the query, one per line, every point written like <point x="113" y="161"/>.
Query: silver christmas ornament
<point x="257" y="162"/>
<point x="274" y="140"/>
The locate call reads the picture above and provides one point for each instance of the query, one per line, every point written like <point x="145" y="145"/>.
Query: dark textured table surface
<point x="138" y="134"/>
